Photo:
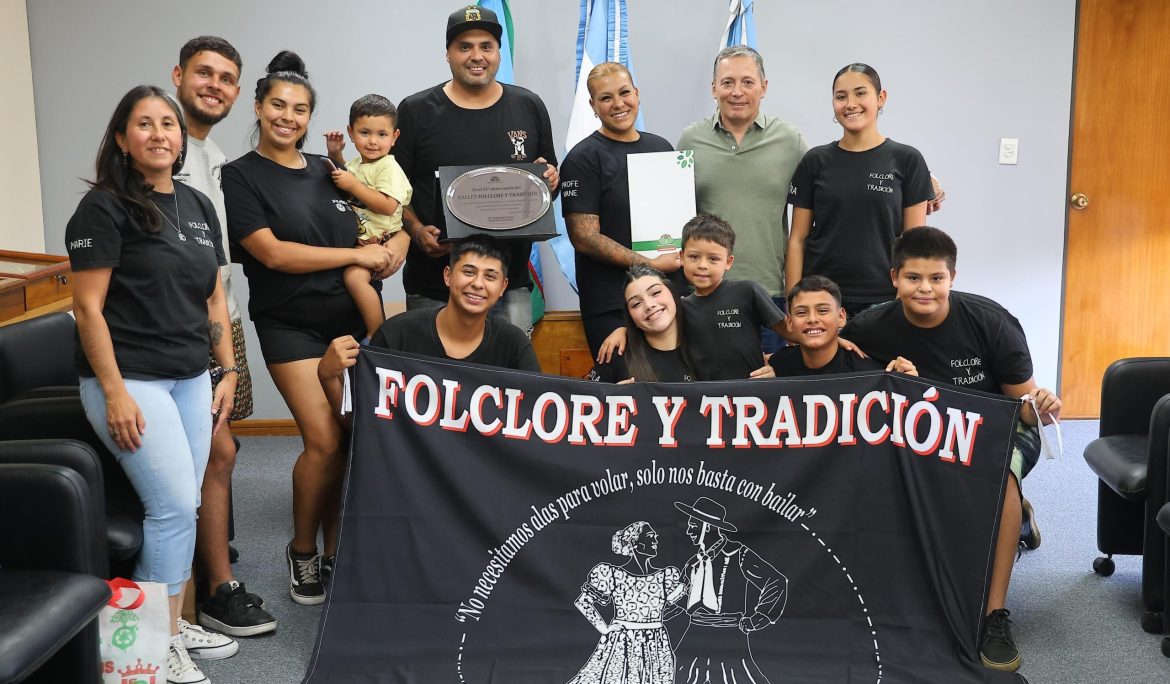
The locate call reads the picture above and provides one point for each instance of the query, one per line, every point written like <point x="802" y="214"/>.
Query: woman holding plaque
<point x="596" y="202"/>
<point x="851" y="198"/>
<point x="297" y="231"/>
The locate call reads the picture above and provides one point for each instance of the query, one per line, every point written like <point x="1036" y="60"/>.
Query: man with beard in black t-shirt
<point x="471" y="119"/>
<point x="967" y="341"/>
<point x="461" y="330"/>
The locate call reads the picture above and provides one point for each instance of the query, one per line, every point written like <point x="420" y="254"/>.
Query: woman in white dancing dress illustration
<point x="634" y="647"/>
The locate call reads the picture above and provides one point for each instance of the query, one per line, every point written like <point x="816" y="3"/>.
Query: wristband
<point x="229" y="369"/>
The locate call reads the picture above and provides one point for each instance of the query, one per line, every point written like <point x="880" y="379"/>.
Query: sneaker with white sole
<point x="232" y="610"/>
<point x="304" y="577"/>
<point x="180" y="668"/>
<point x="206" y="645"/>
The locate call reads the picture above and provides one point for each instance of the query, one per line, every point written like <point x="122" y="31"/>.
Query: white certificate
<point x="662" y="199"/>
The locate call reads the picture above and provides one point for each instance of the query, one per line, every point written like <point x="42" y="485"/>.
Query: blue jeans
<point x="166" y="471"/>
<point x="515" y="307"/>
<point x="770" y="342"/>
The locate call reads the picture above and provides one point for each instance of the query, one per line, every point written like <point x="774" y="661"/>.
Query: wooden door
<point x="1117" y="263"/>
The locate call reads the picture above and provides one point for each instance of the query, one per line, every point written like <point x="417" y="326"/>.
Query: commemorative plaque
<point x="503" y="200"/>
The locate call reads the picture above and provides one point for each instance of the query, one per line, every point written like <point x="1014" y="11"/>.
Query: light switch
<point x="1009" y="150"/>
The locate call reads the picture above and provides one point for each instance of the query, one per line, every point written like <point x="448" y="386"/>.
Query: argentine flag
<point x="601" y="37"/>
<point x="741" y="25"/>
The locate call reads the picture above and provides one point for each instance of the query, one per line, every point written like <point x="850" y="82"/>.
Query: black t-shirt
<point x="788" y="362"/>
<point x="503" y="346"/>
<point x="723" y="329"/>
<point x="156" y="304"/>
<point x="595" y="180"/>
<point x="297" y="205"/>
<point x="669" y="365"/>
<point x="979" y="345"/>
<point x="436" y="132"/>
<point x="857" y="200"/>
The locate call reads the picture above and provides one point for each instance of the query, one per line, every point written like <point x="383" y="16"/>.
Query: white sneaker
<point x="180" y="669"/>
<point x="206" y="645"/>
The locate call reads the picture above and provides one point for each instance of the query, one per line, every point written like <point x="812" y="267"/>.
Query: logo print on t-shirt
<point x="340" y="205"/>
<point x="972" y="371"/>
<point x="518" y="138"/>
<point x="877" y="182"/>
<point x="728" y="318"/>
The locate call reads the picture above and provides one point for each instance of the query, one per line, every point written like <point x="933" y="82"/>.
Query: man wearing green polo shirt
<point x="743" y="166"/>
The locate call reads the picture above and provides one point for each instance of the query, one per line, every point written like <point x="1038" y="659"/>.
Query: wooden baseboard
<point x="285" y="427"/>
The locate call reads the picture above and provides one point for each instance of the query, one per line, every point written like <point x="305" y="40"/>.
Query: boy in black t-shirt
<point x="462" y="330"/>
<point x="967" y="341"/>
<point x="815" y="319"/>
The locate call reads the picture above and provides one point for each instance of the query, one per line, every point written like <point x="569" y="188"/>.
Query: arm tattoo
<point x="215" y="332"/>
<point x="585" y="233"/>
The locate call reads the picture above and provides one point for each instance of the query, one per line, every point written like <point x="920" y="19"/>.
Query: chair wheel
<point x="1152" y="623"/>
<point x="1104" y="566"/>
<point x="1166" y="646"/>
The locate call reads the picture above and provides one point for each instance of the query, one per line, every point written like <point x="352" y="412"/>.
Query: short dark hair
<point x="861" y="68"/>
<point x="711" y="228"/>
<point x="924" y="242"/>
<point x="483" y="245"/>
<point x="815" y="283"/>
<point x="373" y="105"/>
<point x="209" y="44"/>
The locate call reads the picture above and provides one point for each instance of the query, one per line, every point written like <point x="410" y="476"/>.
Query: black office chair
<point x="49" y="560"/>
<point x="1164" y="523"/>
<point x="1130" y="457"/>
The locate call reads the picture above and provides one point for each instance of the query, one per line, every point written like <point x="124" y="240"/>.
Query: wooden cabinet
<point x="33" y="284"/>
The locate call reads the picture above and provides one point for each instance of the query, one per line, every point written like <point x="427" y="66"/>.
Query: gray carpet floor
<point x="1071" y="625"/>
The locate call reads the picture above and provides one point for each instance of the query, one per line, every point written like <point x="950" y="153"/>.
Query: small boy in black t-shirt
<point x="967" y="341"/>
<point x="815" y="318"/>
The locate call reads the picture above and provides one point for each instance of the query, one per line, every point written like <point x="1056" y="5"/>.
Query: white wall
<point x="21" y="228"/>
<point x="959" y="76"/>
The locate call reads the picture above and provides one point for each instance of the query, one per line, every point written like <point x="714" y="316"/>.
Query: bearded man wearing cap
<point x="723" y="612"/>
<point x="472" y="119"/>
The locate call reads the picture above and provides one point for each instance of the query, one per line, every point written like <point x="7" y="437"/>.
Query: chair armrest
<point x="43" y="610"/>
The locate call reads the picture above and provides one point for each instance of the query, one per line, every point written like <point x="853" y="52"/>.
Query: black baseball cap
<point x="473" y="17"/>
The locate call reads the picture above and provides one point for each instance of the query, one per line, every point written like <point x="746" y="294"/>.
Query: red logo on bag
<point x="139" y="673"/>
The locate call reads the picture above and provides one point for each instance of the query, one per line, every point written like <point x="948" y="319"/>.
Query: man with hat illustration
<point x="716" y="646"/>
<point x="470" y="120"/>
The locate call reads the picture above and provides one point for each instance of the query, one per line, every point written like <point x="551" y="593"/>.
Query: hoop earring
<point x="836" y="121"/>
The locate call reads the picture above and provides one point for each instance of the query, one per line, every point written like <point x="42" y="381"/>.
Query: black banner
<point x="512" y="528"/>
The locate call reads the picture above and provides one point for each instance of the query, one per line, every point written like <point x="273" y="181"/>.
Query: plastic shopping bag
<point x="135" y="633"/>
